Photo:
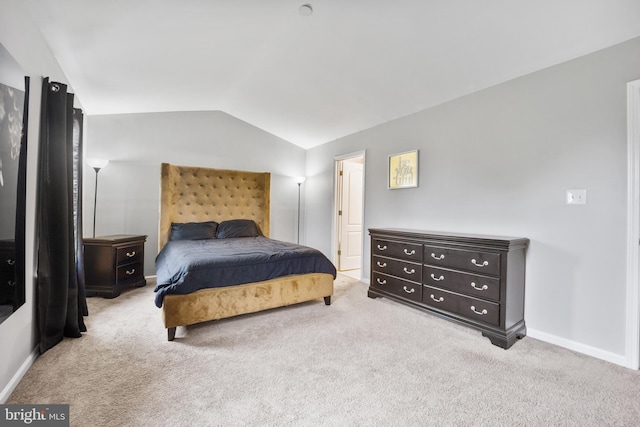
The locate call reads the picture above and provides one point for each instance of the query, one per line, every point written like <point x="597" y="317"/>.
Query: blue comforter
<point x="185" y="266"/>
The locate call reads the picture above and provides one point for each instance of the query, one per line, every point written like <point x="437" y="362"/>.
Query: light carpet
<point x="360" y="361"/>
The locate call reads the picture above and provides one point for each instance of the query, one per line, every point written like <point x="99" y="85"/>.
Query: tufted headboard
<point x="193" y="194"/>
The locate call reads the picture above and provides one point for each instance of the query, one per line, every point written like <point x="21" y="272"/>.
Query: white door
<point x="350" y="216"/>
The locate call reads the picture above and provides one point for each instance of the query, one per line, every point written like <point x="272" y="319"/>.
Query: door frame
<point x="633" y="226"/>
<point x="336" y="202"/>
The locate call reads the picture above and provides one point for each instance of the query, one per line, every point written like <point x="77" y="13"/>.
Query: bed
<point x="194" y="198"/>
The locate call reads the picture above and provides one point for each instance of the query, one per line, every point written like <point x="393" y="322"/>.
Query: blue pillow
<point x="193" y="230"/>
<point x="237" y="228"/>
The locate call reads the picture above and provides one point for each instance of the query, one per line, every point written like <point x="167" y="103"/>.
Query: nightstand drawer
<point x="129" y="272"/>
<point x="402" y="288"/>
<point x="471" y="308"/>
<point x="477" y="261"/>
<point x="127" y="254"/>
<point x="402" y="250"/>
<point x="403" y="269"/>
<point x="464" y="283"/>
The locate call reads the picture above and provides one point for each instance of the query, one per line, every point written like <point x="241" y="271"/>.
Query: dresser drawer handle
<point x="413" y="252"/>
<point x="484" y="264"/>
<point x="481" y="313"/>
<point x="11" y="261"/>
<point x="381" y="282"/>
<point x="409" y="291"/>
<point x="131" y="254"/>
<point x="11" y="283"/>
<point x="437" y="279"/>
<point x="130" y="272"/>
<point x="437" y="299"/>
<point x="412" y="271"/>
<point x="382" y="248"/>
<point x="483" y="288"/>
<point x="381" y="264"/>
<point x="441" y="256"/>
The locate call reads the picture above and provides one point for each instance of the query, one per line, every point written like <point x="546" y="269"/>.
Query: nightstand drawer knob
<point x="131" y="254"/>
<point x="412" y="271"/>
<point x="382" y="248"/>
<point x="437" y="279"/>
<point x="484" y="264"/>
<point x="381" y="282"/>
<point x="11" y="261"/>
<point x="439" y="257"/>
<point x="409" y="291"/>
<point x="481" y="313"/>
<point x="412" y="252"/>
<point x="483" y="288"/>
<point x="437" y="299"/>
<point x="382" y="264"/>
<point x="130" y="272"/>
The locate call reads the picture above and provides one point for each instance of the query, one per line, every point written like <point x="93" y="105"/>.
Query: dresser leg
<point x="171" y="333"/>
<point x="372" y="295"/>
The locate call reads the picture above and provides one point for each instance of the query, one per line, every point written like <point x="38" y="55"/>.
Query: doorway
<point x="349" y="202"/>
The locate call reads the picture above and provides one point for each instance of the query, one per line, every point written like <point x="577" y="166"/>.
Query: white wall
<point x="25" y="43"/>
<point x="499" y="162"/>
<point x="136" y="144"/>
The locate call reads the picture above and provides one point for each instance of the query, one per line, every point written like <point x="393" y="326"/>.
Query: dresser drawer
<point x="401" y="250"/>
<point x="129" y="272"/>
<point x="7" y="261"/>
<point x="393" y="285"/>
<point x="464" y="283"/>
<point x="478" y="261"/>
<point x="403" y="269"/>
<point x="127" y="254"/>
<point x="471" y="308"/>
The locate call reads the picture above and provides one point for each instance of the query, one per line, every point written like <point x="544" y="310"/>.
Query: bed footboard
<point x="219" y="303"/>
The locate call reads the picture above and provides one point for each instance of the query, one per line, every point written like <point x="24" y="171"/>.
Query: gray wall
<point x="499" y="162"/>
<point x="25" y="43"/>
<point x="136" y="144"/>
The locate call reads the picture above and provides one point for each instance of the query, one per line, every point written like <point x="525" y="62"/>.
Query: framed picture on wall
<point x="403" y="170"/>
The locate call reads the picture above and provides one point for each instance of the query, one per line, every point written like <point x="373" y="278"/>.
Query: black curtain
<point x="61" y="299"/>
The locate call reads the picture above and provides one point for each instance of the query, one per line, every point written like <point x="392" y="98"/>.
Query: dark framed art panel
<point x="14" y="94"/>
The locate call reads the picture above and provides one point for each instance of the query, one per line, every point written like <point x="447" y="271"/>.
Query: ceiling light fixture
<point x="305" y="10"/>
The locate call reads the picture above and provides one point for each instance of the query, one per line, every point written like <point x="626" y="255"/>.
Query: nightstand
<point x="112" y="263"/>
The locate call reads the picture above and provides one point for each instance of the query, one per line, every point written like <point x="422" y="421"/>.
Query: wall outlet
<point x="576" y="197"/>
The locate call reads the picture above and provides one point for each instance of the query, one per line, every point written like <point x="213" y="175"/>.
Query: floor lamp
<point x="96" y="164"/>
<point x="299" y="181"/>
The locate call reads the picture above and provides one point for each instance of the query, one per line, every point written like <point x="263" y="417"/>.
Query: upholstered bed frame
<point x="193" y="194"/>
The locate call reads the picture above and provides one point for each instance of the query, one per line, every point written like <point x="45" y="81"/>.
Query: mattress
<point x="185" y="266"/>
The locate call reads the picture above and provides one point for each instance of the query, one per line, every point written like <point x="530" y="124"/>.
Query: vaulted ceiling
<point x="350" y="65"/>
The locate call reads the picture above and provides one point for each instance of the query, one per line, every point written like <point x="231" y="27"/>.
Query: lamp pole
<point x="299" y="180"/>
<point x="95" y="201"/>
<point x="96" y="164"/>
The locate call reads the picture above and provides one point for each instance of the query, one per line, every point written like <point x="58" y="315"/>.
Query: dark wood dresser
<point x="474" y="280"/>
<point x="112" y="263"/>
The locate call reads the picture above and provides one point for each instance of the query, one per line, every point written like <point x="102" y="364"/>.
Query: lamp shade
<point x="97" y="163"/>
<point x="300" y="179"/>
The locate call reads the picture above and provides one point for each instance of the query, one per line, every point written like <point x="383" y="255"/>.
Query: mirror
<point x="13" y="94"/>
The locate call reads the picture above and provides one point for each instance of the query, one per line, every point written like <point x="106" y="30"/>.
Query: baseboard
<point x="17" y="377"/>
<point x="618" y="359"/>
